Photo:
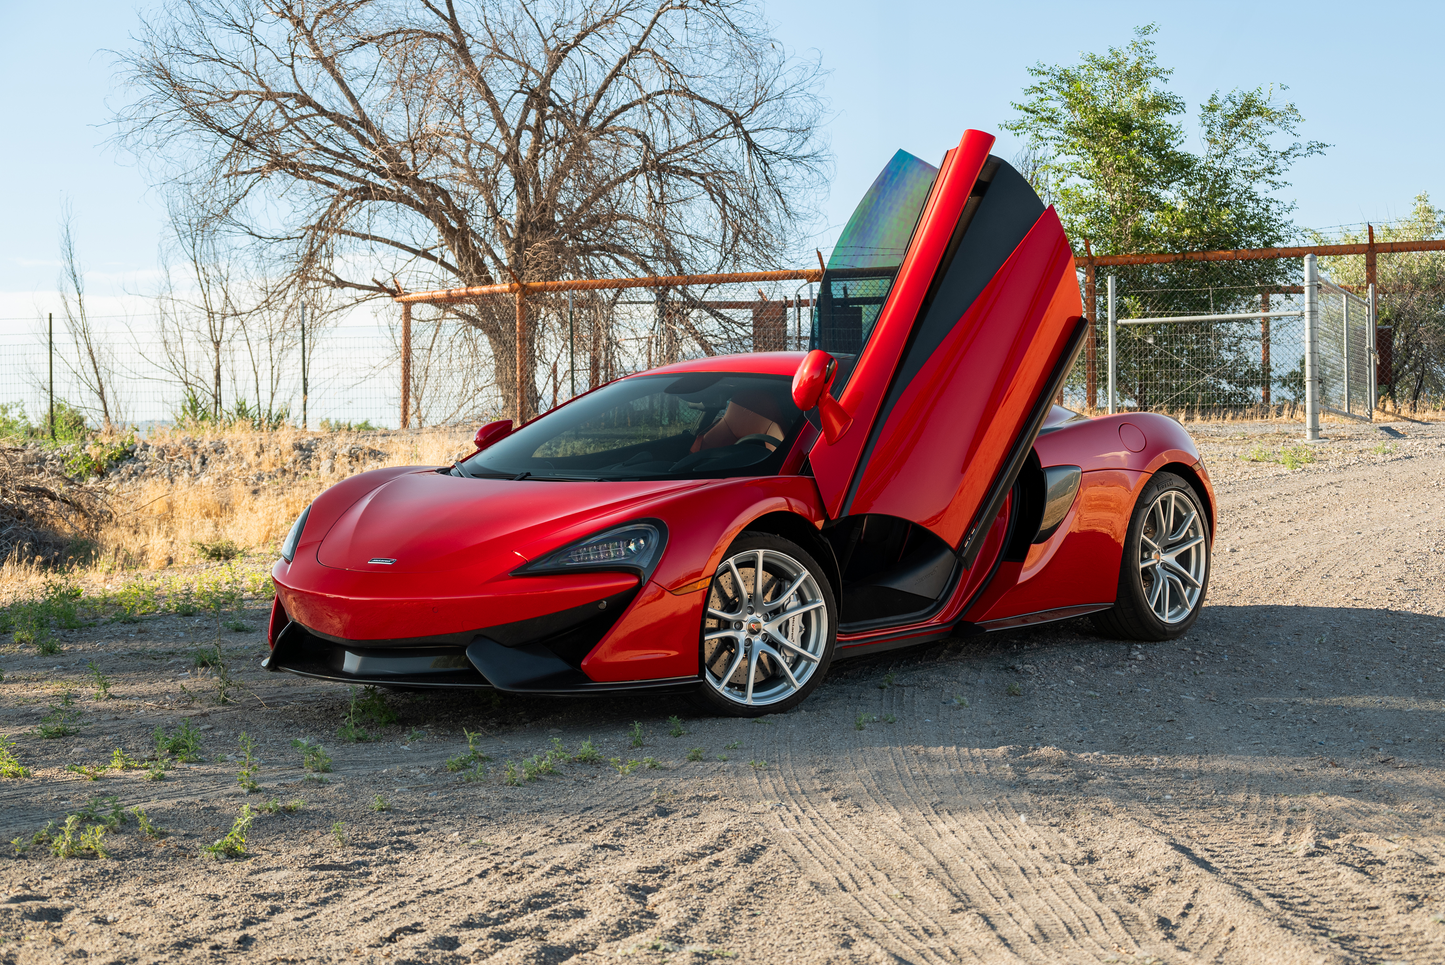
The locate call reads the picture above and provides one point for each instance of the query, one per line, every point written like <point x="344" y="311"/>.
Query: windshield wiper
<point x="460" y="471"/>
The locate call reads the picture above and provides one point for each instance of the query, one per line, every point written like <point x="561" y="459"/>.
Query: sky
<point x="902" y="74"/>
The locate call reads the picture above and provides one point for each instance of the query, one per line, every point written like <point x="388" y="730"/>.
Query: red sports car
<point x="731" y="525"/>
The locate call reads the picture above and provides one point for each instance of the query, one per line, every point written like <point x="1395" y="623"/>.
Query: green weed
<point x="184" y="745"/>
<point x="1384" y="449"/>
<point x="121" y="761"/>
<point x="473" y="758"/>
<point x="651" y="763"/>
<point x="157" y="771"/>
<point x="86" y="771"/>
<point x="220" y="551"/>
<point x="624" y="767"/>
<point x="1014" y="690"/>
<point x="587" y="753"/>
<point x="9" y="764"/>
<point x="378" y="804"/>
<point x="695" y="754"/>
<point x="60" y="721"/>
<point x="864" y="720"/>
<point x="104" y="810"/>
<point x="338" y="831"/>
<point x="314" y="758"/>
<point x="102" y="682"/>
<point x="372" y="707"/>
<point x="135" y="599"/>
<point x="71" y="840"/>
<point x="758" y="765"/>
<point x="146" y="827"/>
<point x="1295" y="457"/>
<point x="674" y="727"/>
<point x="246" y="776"/>
<point x="237" y="626"/>
<point x="233" y="845"/>
<point x="887" y="681"/>
<point x="960" y="701"/>
<point x="732" y="745"/>
<point x="636" y="734"/>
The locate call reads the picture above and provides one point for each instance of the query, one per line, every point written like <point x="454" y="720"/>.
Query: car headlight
<point x="636" y="546"/>
<point x="288" y="545"/>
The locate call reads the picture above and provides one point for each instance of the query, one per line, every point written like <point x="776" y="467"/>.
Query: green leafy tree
<point x="1411" y="301"/>
<point x="1106" y="144"/>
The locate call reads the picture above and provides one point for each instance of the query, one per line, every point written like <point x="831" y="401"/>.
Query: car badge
<point x="382" y="560"/>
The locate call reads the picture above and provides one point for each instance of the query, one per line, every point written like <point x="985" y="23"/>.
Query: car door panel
<point x="941" y="445"/>
<point x="833" y="464"/>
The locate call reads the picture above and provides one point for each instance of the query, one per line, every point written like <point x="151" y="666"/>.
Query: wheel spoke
<point x="1182" y="595"/>
<point x="790" y="645"/>
<point x="752" y="670"/>
<point x="732" y="669"/>
<point x="792" y="588"/>
<point x="782" y="664"/>
<point x="1148" y="542"/>
<point x="1176" y="550"/>
<point x="1183" y="529"/>
<point x="720" y="615"/>
<point x="1147" y="562"/>
<point x="1155" y="589"/>
<point x="739" y="590"/>
<point x="757" y="601"/>
<point x="772" y="625"/>
<point x="1178" y="572"/>
<point x="721" y="635"/>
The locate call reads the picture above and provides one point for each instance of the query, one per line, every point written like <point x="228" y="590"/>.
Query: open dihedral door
<point x="976" y="336"/>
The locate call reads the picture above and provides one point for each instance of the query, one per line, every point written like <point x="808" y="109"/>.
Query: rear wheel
<point x="768" y="629"/>
<point x="1165" y="570"/>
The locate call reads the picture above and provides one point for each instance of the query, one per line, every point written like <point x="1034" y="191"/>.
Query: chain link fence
<point x="1195" y="340"/>
<point x="464" y="355"/>
<point x="353" y="377"/>
<point x="1216" y="339"/>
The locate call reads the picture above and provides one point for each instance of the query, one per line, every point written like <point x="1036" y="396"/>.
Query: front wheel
<point x="1165" y="570"/>
<point x="768" y="629"/>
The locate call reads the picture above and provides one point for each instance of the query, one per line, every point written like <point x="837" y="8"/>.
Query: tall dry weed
<point x="154" y="521"/>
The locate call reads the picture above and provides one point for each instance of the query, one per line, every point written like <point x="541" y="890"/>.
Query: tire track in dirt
<point x="987" y="879"/>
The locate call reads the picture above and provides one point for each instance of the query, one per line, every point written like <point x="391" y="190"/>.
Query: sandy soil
<point x="1267" y="789"/>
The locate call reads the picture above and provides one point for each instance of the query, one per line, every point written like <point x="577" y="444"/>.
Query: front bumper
<point x="542" y="655"/>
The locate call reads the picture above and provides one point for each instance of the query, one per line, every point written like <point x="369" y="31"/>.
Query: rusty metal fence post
<point x="1113" y="348"/>
<point x="406" y="365"/>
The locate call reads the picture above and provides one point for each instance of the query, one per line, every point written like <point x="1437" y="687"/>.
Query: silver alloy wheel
<point x="765" y="629"/>
<point x="1173" y="557"/>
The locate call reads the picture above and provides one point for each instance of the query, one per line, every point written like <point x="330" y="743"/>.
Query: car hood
<point x="431" y="522"/>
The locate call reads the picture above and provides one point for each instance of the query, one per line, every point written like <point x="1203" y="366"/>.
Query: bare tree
<point x="453" y="143"/>
<point x="94" y="366"/>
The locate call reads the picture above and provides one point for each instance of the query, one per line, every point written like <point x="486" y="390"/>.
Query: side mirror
<point x="811" y="384"/>
<point x="492" y="432"/>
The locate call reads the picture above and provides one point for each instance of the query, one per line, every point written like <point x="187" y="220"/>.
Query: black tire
<point x="787" y="659"/>
<point x="1145" y="606"/>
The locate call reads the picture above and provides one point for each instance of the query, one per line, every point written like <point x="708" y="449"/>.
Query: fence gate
<point x="1314" y="342"/>
<point x="1344" y="342"/>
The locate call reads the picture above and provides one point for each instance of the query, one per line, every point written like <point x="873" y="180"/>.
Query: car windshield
<point x="866" y="259"/>
<point x="697" y="425"/>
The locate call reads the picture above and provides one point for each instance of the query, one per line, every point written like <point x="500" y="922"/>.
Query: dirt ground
<point x="1267" y="789"/>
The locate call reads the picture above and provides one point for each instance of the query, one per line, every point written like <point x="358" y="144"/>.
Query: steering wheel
<point x="761" y="438"/>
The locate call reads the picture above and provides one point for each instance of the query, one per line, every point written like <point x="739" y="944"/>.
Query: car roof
<point x="760" y="363"/>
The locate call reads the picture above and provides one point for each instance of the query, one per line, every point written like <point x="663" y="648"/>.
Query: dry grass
<point x="154" y="522"/>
